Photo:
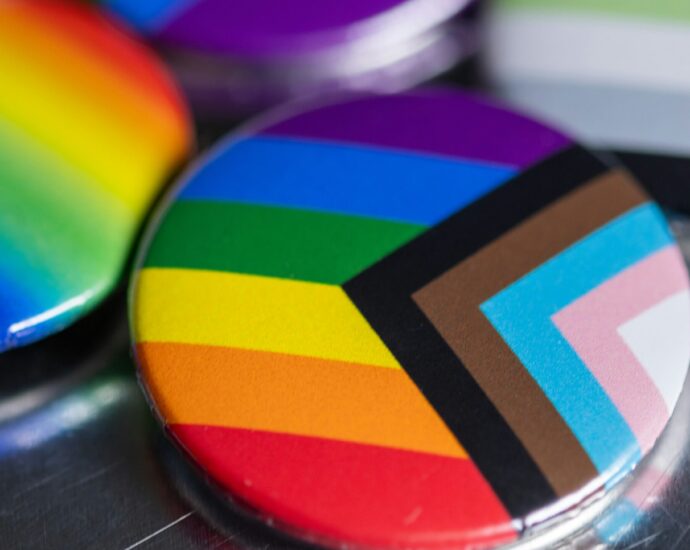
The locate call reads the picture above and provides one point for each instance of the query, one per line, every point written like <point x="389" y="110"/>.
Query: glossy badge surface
<point x="90" y="128"/>
<point x="275" y="28"/>
<point x="615" y="72"/>
<point x="413" y="321"/>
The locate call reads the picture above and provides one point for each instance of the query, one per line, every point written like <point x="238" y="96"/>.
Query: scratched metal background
<point x="83" y="464"/>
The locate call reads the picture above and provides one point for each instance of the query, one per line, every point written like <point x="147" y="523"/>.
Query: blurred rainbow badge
<point x="413" y="321"/>
<point x="614" y="71"/>
<point x="235" y="55"/>
<point x="90" y="128"/>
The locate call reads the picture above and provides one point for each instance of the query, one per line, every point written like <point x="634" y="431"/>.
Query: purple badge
<point x="247" y="55"/>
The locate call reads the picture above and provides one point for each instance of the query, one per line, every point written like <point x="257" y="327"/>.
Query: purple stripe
<point x="440" y="121"/>
<point x="270" y="27"/>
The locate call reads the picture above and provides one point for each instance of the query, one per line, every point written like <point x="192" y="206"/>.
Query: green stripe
<point x="58" y="230"/>
<point x="276" y="242"/>
<point x="670" y="10"/>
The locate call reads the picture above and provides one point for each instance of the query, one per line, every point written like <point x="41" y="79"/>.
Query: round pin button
<point x="238" y="56"/>
<point x="90" y="128"/>
<point x="412" y="321"/>
<point x="615" y="73"/>
<point x="271" y="28"/>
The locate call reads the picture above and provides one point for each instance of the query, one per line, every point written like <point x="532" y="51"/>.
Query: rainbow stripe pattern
<point x="634" y="93"/>
<point x="90" y="128"/>
<point x="336" y="319"/>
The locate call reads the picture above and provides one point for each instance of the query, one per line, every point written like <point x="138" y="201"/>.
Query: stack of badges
<point x="615" y="72"/>
<point x="234" y="56"/>
<point x="413" y="321"/>
<point x="90" y="129"/>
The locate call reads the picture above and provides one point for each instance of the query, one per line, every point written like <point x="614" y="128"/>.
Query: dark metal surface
<point x="82" y="462"/>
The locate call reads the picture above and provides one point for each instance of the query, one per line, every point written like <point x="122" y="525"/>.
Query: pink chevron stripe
<point x="590" y="326"/>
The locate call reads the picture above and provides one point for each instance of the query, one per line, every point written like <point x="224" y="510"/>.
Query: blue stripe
<point x="146" y="15"/>
<point x="344" y="179"/>
<point x="522" y="315"/>
<point x="16" y="304"/>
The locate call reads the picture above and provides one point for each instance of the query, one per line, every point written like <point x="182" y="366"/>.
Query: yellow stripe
<point x="253" y="312"/>
<point x="89" y="122"/>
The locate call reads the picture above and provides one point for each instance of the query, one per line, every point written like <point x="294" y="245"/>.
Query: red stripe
<point x="350" y="493"/>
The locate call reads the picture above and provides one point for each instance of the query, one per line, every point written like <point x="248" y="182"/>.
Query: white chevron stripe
<point x="660" y="339"/>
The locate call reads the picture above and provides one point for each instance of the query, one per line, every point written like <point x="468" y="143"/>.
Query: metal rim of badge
<point x="266" y="250"/>
<point x="244" y="88"/>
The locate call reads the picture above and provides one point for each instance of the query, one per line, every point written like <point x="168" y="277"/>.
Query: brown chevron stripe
<point x="451" y="302"/>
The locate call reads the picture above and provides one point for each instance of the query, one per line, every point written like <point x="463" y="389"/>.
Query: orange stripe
<point x="215" y="386"/>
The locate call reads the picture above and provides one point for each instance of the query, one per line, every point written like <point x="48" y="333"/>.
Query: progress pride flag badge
<point x="413" y="321"/>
